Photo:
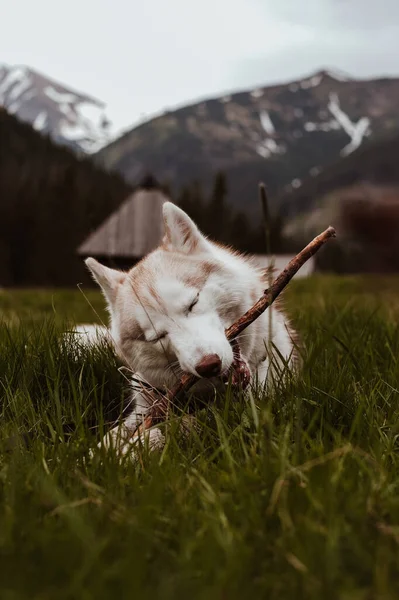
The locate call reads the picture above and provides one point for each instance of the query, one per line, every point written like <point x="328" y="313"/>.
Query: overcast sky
<point x="141" y="57"/>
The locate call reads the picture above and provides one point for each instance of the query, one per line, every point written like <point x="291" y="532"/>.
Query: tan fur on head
<point x="181" y="233"/>
<point x="108" y="279"/>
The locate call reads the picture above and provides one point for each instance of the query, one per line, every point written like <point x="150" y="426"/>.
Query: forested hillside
<point x="49" y="201"/>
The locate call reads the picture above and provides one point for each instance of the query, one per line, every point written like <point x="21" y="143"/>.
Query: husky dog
<point x="169" y="314"/>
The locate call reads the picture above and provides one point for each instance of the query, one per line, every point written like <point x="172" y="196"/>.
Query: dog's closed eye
<point x="160" y="337"/>
<point x="193" y="303"/>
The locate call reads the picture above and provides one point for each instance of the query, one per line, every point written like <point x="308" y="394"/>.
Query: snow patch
<point x="268" y="147"/>
<point x="91" y="112"/>
<point x="332" y="125"/>
<point x="225" y="99"/>
<point x="257" y="93"/>
<point x="60" y="97"/>
<point x="326" y="126"/>
<point x="84" y="122"/>
<point x="338" y="75"/>
<point x="73" y="131"/>
<point x="263" y="151"/>
<point x="312" y="82"/>
<point x="78" y="133"/>
<point x="356" y="131"/>
<point x="266" y="122"/>
<point x="19" y="88"/>
<point x="64" y="100"/>
<point x="361" y="130"/>
<point x="29" y="95"/>
<point x="13" y="76"/>
<point x="309" y="126"/>
<point x="40" y="121"/>
<point x="14" y="107"/>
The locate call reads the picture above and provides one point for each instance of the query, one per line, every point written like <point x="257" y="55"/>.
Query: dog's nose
<point x="209" y="366"/>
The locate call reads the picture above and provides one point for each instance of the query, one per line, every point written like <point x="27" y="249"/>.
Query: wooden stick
<point x="160" y="408"/>
<point x="279" y="284"/>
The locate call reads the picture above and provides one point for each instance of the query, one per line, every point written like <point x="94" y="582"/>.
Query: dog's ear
<point x="181" y="233"/>
<point x="108" y="279"/>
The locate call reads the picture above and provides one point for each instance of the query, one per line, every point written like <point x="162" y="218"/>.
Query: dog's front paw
<point x="124" y="444"/>
<point x="154" y="438"/>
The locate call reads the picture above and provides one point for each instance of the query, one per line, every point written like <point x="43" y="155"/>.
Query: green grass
<point x="295" y="495"/>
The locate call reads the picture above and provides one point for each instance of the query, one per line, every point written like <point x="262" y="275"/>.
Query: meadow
<point x="293" y="494"/>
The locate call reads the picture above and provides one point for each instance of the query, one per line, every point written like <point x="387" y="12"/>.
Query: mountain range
<point x="281" y="134"/>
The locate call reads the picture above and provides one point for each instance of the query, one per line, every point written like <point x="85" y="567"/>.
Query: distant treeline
<point x="215" y="217"/>
<point x="49" y="201"/>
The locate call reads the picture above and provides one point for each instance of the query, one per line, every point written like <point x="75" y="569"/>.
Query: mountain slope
<point x="70" y="118"/>
<point x="359" y="195"/>
<point x="369" y="173"/>
<point x="279" y="134"/>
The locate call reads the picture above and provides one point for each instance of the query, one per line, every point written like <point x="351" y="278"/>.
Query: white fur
<point x="153" y="299"/>
<point x="91" y="333"/>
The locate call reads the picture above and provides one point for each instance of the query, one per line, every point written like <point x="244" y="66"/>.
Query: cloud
<point x="354" y="15"/>
<point x="336" y="34"/>
<point x="143" y="57"/>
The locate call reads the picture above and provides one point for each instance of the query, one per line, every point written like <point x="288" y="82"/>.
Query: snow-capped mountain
<point x="70" y="118"/>
<point x="280" y="134"/>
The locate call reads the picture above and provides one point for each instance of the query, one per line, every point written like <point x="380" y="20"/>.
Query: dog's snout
<point x="209" y="366"/>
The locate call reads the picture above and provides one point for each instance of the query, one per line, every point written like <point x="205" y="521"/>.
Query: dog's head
<point x="172" y="308"/>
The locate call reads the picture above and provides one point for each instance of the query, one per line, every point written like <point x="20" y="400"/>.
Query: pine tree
<point x="191" y="200"/>
<point x="240" y="232"/>
<point x="218" y="213"/>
